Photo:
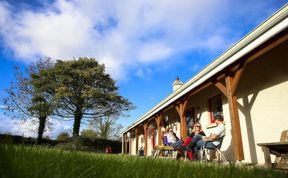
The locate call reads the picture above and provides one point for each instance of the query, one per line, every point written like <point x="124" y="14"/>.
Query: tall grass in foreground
<point x="23" y="161"/>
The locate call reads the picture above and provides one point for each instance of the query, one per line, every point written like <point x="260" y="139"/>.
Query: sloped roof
<point x="262" y="33"/>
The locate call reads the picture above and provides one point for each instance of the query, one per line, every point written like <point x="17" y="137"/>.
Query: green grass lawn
<point x="40" y="162"/>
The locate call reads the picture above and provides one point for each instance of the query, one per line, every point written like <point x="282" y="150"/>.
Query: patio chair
<point x="204" y="151"/>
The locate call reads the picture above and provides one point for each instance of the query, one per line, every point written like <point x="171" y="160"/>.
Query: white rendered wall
<point x="263" y="93"/>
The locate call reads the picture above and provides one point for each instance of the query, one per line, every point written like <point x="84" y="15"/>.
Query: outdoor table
<point x="280" y="149"/>
<point x="160" y="148"/>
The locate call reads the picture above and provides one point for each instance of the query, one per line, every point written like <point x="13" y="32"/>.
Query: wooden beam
<point x="237" y="78"/>
<point x="158" y="120"/>
<point x="151" y="118"/>
<point x="267" y="48"/>
<point x="130" y="143"/>
<point x="235" y="123"/>
<point x="220" y="77"/>
<point x="234" y="68"/>
<point x="180" y="108"/>
<point x="145" y="126"/>
<point x="167" y="108"/>
<point x="251" y="57"/>
<point x="221" y="87"/>
<point x="122" y="145"/>
<point x="197" y="90"/>
<point x="125" y="144"/>
<point x="136" y="138"/>
<point x="177" y="107"/>
<point x="231" y="82"/>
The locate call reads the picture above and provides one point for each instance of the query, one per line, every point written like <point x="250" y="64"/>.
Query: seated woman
<point x="165" y="140"/>
<point x="197" y="130"/>
<point x="172" y="139"/>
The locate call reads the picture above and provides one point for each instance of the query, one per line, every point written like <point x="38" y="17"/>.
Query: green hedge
<point x="16" y="139"/>
<point x="83" y="144"/>
<point x="94" y="145"/>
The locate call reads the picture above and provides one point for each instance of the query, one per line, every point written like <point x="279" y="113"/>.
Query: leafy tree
<point x="89" y="133"/>
<point x="63" y="136"/>
<point x="83" y="91"/>
<point x="25" y="101"/>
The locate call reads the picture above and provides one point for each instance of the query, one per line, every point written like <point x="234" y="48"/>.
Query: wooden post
<point x="130" y="143"/>
<point x="136" y="138"/>
<point x="229" y="91"/>
<point x="125" y="143"/>
<point x="145" y="126"/>
<point x="180" y="108"/>
<point x="158" y="120"/>
<point x="235" y="123"/>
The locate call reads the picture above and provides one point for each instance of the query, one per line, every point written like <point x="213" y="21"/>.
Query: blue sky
<point x="144" y="44"/>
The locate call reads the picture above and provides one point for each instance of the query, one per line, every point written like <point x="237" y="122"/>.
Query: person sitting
<point x="172" y="139"/>
<point x="141" y="151"/>
<point x="197" y="129"/>
<point x="210" y="142"/>
<point x="165" y="141"/>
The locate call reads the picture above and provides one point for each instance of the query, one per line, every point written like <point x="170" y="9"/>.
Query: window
<point x="215" y="107"/>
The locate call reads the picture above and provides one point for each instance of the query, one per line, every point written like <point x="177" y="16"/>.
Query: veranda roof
<point x="262" y="33"/>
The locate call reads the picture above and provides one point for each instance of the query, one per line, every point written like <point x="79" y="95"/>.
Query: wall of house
<point x="133" y="147"/>
<point x="263" y="101"/>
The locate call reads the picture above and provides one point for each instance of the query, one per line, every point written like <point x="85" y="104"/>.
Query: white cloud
<point x="29" y="128"/>
<point x="215" y="42"/>
<point x="58" y="127"/>
<point x="143" y="73"/>
<point x="153" y="52"/>
<point x="195" y="68"/>
<point x="17" y="127"/>
<point x="121" y="34"/>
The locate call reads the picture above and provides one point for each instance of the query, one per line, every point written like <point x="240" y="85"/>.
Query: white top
<point x="219" y="131"/>
<point x="171" y="138"/>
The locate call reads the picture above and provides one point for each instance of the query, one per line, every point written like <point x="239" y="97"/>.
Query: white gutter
<point x="269" y="28"/>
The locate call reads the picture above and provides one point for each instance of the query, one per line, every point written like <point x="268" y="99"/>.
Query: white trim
<point x="269" y="28"/>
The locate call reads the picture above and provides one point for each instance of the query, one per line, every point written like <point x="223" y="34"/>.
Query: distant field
<point x="40" y="162"/>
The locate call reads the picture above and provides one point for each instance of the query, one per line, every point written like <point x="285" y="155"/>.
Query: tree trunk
<point x="42" y="122"/>
<point x="77" y="121"/>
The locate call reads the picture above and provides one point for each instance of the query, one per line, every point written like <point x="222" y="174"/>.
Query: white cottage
<point x="248" y="84"/>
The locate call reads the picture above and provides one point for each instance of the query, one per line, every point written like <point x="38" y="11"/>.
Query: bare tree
<point x="106" y="127"/>
<point x="24" y="101"/>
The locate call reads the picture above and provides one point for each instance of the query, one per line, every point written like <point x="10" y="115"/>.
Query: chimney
<point x="177" y="84"/>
